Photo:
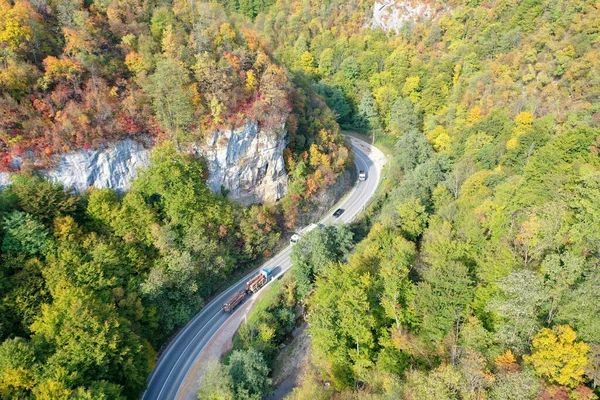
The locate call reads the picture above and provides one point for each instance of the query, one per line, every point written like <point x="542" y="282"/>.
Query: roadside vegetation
<point x="478" y="276"/>
<point x="273" y="318"/>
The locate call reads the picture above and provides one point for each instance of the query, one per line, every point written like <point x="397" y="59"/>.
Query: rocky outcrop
<point x="112" y="166"/>
<point x="391" y="15"/>
<point x="247" y="162"/>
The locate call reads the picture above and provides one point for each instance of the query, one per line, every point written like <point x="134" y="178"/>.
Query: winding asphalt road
<point x="175" y="362"/>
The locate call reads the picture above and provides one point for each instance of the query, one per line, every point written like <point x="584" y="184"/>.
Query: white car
<point x="294" y="239"/>
<point x="362" y="176"/>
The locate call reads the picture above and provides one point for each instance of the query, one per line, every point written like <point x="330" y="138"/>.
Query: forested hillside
<point x="477" y="271"/>
<point x="480" y="274"/>
<point x="92" y="286"/>
<point x="78" y="74"/>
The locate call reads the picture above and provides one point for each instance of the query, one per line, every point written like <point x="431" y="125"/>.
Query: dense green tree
<point x="18" y="368"/>
<point x="248" y="372"/>
<point x="326" y="66"/>
<point x="560" y="274"/>
<point x="100" y="390"/>
<point x="23" y="234"/>
<point x="161" y="18"/>
<point x="403" y="118"/>
<point x="335" y="100"/>
<point x="80" y="334"/>
<point x="412" y="150"/>
<point x="441" y="299"/>
<point x="316" y="250"/>
<point x="579" y="307"/>
<point x="22" y="302"/>
<point x="341" y="322"/>
<point x="350" y="68"/>
<point x="174" y="183"/>
<point x="440" y="384"/>
<point x="172" y="99"/>
<point x="398" y="290"/>
<point x="38" y="197"/>
<point x="216" y="384"/>
<point x="103" y="206"/>
<point x="366" y="118"/>
<point x="412" y="218"/>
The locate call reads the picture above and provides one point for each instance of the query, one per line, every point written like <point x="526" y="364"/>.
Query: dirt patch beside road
<point x="290" y="363"/>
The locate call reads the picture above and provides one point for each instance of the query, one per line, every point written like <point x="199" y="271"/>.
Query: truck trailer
<point x="234" y="300"/>
<point x="258" y="281"/>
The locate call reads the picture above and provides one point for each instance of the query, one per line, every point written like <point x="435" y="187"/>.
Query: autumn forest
<point x="474" y="273"/>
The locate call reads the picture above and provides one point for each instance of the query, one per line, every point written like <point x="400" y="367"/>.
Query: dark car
<point x="338" y="212"/>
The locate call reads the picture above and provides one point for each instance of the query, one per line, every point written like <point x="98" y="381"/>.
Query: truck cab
<point x="266" y="273"/>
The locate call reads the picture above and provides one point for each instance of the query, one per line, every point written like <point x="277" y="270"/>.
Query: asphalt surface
<point x="175" y="362"/>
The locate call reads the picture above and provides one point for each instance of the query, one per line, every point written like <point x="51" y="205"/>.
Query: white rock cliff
<point x="247" y="162"/>
<point x="391" y="15"/>
<point x="113" y="166"/>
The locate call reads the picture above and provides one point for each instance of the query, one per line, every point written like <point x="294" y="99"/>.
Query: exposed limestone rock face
<point x="247" y="162"/>
<point x="113" y="166"/>
<point x="4" y="179"/>
<point x="391" y="15"/>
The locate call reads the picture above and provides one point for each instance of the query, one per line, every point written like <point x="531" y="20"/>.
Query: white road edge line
<point x="184" y="350"/>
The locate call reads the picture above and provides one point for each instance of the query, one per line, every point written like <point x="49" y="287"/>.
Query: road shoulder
<point x="219" y="344"/>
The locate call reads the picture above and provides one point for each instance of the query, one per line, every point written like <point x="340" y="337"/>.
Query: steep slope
<point x="246" y="162"/>
<point x="479" y="276"/>
<point x="81" y="81"/>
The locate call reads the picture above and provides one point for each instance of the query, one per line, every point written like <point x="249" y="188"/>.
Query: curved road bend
<point x="175" y="362"/>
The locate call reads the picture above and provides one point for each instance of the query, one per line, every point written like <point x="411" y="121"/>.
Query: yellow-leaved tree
<point x="524" y="123"/>
<point x="411" y="88"/>
<point x="557" y="356"/>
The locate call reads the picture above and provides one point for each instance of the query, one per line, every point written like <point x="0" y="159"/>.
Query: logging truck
<point x="258" y="281"/>
<point x="234" y="300"/>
